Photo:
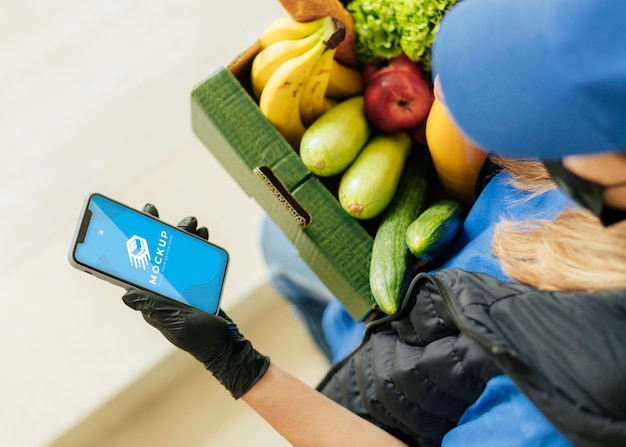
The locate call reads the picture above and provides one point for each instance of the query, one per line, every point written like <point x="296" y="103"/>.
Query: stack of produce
<point x="360" y="116"/>
<point x="295" y="73"/>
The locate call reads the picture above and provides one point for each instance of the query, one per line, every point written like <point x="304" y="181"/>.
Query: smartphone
<point x="135" y="250"/>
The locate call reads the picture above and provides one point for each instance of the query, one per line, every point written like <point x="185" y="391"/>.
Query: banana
<point x="280" y="99"/>
<point x="271" y="57"/>
<point x="286" y="28"/>
<point x="313" y="101"/>
<point x="344" y="81"/>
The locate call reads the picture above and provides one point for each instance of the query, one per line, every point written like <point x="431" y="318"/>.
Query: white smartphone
<point x="135" y="250"/>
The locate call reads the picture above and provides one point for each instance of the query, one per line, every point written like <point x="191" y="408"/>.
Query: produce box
<point x="336" y="246"/>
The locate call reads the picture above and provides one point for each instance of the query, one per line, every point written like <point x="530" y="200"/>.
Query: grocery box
<point x="229" y="122"/>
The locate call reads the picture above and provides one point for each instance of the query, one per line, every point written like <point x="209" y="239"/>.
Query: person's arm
<point x="305" y="417"/>
<point x="301" y="414"/>
<point x="298" y="412"/>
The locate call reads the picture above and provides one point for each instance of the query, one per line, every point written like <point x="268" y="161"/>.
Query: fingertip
<point x="133" y="299"/>
<point x="150" y="209"/>
<point x="203" y="232"/>
<point x="188" y="224"/>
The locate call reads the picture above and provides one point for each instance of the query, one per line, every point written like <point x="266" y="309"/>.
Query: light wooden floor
<point x="94" y="96"/>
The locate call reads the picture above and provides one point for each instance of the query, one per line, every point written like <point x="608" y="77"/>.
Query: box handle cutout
<point x="277" y="187"/>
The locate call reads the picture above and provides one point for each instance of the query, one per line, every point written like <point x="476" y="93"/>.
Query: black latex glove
<point x="214" y="340"/>
<point x="188" y="224"/>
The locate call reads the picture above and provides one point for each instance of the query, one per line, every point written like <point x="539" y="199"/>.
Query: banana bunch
<point x="295" y="72"/>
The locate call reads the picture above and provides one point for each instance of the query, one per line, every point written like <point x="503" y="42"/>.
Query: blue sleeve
<point x="503" y="417"/>
<point x="342" y="332"/>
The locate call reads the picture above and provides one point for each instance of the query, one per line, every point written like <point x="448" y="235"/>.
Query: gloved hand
<point x="214" y="340"/>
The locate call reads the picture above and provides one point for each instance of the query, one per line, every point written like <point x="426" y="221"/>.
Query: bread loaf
<point x="308" y="10"/>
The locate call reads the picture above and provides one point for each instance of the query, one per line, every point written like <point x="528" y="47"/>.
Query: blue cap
<point x="535" y="78"/>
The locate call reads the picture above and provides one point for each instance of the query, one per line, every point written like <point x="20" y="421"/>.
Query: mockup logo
<point x="138" y="252"/>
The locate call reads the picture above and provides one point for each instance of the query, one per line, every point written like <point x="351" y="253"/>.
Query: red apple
<point x="371" y="68"/>
<point x="397" y="100"/>
<point x="380" y="66"/>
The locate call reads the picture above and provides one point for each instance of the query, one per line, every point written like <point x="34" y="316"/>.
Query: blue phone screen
<point x="136" y="248"/>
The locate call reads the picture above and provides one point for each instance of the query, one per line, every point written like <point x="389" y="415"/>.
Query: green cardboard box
<point x="336" y="246"/>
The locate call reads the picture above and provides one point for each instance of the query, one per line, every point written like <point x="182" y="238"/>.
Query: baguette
<point x="308" y="10"/>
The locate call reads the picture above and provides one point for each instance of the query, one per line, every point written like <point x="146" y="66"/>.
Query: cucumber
<point x="389" y="264"/>
<point x="368" y="185"/>
<point x="433" y="230"/>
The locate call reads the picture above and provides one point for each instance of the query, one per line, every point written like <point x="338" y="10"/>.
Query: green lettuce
<point x="386" y="28"/>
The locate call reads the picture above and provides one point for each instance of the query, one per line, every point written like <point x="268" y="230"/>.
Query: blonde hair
<point x="572" y="252"/>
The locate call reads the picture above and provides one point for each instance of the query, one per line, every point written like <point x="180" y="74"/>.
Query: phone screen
<point x="140" y="250"/>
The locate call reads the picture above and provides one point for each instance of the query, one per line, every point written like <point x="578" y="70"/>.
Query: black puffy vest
<point x="417" y="371"/>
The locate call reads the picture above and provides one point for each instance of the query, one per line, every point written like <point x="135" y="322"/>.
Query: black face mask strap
<point x="611" y="215"/>
<point x="586" y="193"/>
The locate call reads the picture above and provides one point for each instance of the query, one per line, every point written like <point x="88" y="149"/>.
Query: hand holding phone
<point x="214" y="340"/>
<point x="135" y="250"/>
